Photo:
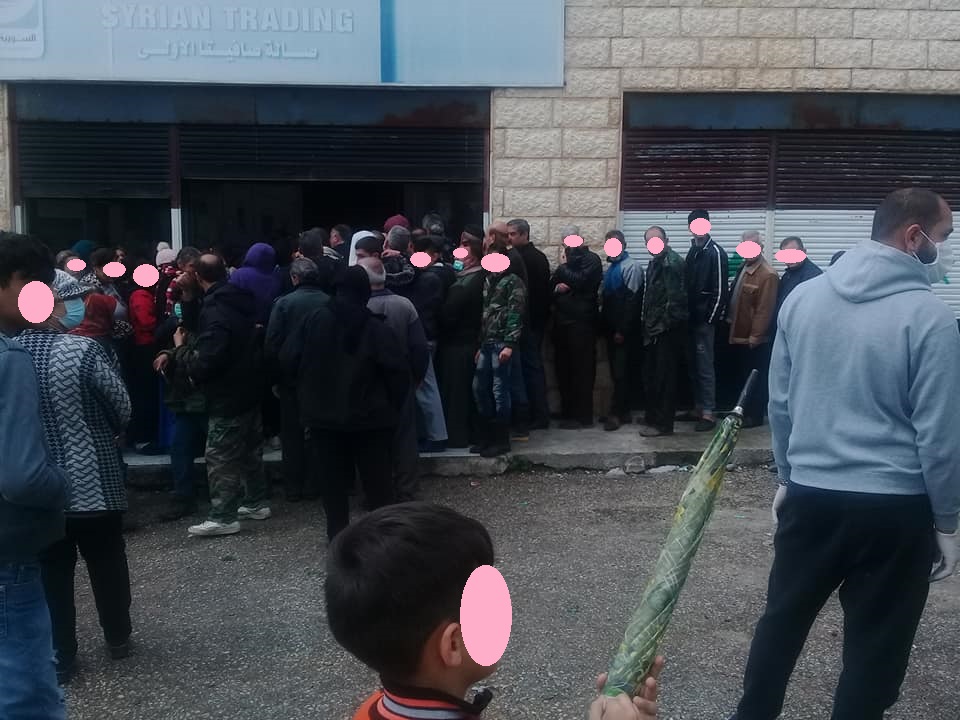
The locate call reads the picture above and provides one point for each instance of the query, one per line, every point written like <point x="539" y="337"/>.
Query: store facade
<point x="217" y="125"/>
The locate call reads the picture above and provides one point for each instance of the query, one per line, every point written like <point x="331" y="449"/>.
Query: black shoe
<point x="626" y="420"/>
<point x="611" y="424"/>
<point x="570" y="425"/>
<point x="542" y="424"/>
<point x="520" y="434"/>
<point x="119" y="652"/>
<point x="433" y="446"/>
<point x="499" y="441"/>
<point x="179" y="509"/>
<point x="483" y="438"/>
<point x="705" y="425"/>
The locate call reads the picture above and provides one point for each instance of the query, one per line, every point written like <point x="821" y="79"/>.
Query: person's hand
<point x="618" y="338"/>
<point x="777" y="503"/>
<point x="390" y="252"/>
<point x="505" y="355"/>
<point x="642" y="707"/>
<point x="753" y="343"/>
<point x="949" y="556"/>
<point x="161" y="363"/>
<point x="275" y="390"/>
<point x="179" y="337"/>
<point x="562" y="288"/>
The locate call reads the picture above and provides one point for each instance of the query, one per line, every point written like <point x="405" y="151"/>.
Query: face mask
<point x="178" y="311"/>
<point x="75" y="312"/>
<point x="457" y="265"/>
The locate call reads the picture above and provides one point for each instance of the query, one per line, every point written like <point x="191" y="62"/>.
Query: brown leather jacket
<point x="754" y="308"/>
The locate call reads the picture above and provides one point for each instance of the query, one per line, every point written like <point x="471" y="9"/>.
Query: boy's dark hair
<point x="429" y="244"/>
<point x="212" y="269"/>
<point x="26" y="256"/>
<point x="371" y="245"/>
<point x="102" y="256"/>
<point x="616" y="234"/>
<point x="395" y="575"/>
<point x="344" y="231"/>
<point x="905" y="207"/>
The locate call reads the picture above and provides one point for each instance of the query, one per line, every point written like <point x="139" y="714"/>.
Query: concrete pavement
<point x="554" y="449"/>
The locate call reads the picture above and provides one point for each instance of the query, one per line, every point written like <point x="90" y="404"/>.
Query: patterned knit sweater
<point x="84" y="406"/>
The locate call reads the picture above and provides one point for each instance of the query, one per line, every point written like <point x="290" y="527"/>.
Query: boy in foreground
<point x="395" y="580"/>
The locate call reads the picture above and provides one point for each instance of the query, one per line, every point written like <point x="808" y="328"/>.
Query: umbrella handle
<point x="747" y="389"/>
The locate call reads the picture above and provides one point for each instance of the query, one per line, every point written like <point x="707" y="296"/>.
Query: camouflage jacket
<point x="664" y="304"/>
<point x="504" y="305"/>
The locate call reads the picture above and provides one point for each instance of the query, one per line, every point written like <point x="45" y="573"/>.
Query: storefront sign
<point x="483" y="43"/>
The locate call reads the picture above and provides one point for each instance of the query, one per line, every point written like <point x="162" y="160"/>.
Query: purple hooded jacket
<point x="257" y="275"/>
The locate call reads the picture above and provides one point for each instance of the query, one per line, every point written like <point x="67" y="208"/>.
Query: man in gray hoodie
<point x="864" y="437"/>
<point x="33" y="494"/>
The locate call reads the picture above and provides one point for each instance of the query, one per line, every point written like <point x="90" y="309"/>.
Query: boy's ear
<point x="453" y="652"/>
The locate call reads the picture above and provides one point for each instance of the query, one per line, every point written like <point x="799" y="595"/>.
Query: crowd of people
<point x="363" y="358"/>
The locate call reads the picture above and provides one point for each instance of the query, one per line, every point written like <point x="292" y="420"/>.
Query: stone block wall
<point x="556" y="152"/>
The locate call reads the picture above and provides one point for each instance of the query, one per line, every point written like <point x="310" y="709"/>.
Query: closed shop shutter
<point x="93" y="160"/>
<point x="332" y="153"/>
<point x="820" y="186"/>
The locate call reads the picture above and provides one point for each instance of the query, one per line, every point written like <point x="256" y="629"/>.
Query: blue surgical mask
<point x="75" y="312"/>
<point x="457" y="265"/>
<point x="178" y="311"/>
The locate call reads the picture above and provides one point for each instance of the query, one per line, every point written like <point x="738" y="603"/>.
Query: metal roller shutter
<point x="332" y="153"/>
<point x="677" y="170"/>
<point x="857" y="169"/>
<point x="93" y="160"/>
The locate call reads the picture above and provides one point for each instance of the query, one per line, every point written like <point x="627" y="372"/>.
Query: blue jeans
<point x="189" y="443"/>
<point x="534" y="376"/>
<point x="492" y="383"/>
<point x="28" y="680"/>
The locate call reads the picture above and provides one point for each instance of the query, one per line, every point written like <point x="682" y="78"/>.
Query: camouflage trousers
<point x="235" y="464"/>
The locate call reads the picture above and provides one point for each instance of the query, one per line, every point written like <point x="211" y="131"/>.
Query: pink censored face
<point x="613" y="247"/>
<point x="76" y="265"/>
<point x="700" y="226"/>
<point x="748" y="249"/>
<point x="420" y="259"/>
<point x="655" y="245"/>
<point x="572" y="241"/>
<point x="461" y="253"/>
<point x="486" y="615"/>
<point x="35" y="302"/>
<point x="495" y="262"/>
<point x="791" y="256"/>
<point x="146" y="276"/>
<point x="114" y="269"/>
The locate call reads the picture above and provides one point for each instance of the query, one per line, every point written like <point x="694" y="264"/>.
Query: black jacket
<point x="288" y="314"/>
<point x="583" y="272"/>
<point x="539" y="288"/>
<point x="447" y="275"/>
<point x="226" y="364"/>
<point x="361" y="390"/>
<point x="426" y="293"/>
<point x="708" y="293"/>
<point x="791" y="278"/>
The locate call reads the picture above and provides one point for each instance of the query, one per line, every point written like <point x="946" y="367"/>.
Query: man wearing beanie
<point x="707" y="269"/>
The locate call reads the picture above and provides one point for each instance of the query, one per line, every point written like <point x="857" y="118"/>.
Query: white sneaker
<point x="209" y="528"/>
<point x="245" y="513"/>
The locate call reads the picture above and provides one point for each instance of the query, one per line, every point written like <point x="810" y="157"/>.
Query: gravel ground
<point x="235" y="627"/>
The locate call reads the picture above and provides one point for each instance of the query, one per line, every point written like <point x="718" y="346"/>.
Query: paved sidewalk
<point x="591" y="449"/>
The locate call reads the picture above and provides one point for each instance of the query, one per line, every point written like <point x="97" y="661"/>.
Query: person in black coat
<point x="460" y="323"/>
<point x="287" y="317"/>
<point x="226" y="365"/>
<point x="351" y="408"/>
<point x="795" y="274"/>
<point x="539" y="301"/>
<point x="707" y="268"/>
<point x="575" y="286"/>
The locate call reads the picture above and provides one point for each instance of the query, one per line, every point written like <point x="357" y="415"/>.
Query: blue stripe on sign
<point x="388" y="44"/>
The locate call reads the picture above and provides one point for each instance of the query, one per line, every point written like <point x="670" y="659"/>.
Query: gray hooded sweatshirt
<point x="864" y="382"/>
